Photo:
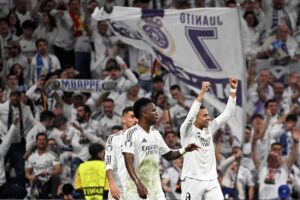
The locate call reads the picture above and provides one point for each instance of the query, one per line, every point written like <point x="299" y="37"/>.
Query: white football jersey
<point x="270" y="190"/>
<point x="147" y="149"/>
<point x="42" y="163"/>
<point x="114" y="159"/>
<point x="201" y="164"/>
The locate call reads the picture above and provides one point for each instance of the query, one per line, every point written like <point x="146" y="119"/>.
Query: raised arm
<point x="194" y="110"/>
<point x="255" y="156"/>
<point x="4" y="146"/>
<point x="58" y="99"/>
<point x="295" y="149"/>
<point x="229" y="109"/>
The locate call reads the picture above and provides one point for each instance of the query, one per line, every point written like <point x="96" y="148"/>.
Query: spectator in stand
<point x="82" y="44"/>
<point x="22" y="11"/>
<point x="8" y="111"/>
<point x="18" y="71"/>
<point x="164" y="123"/>
<point x="84" y="121"/>
<point x="254" y="34"/>
<point x="281" y="47"/>
<point x="276" y="13"/>
<point x="103" y="41"/>
<point x="273" y="172"/>
<point x="27" y="41"/>
<point x="60" y="128"/>
<point x="272" y="111"/>
<point x="259" y="92"/>
<point x="8" y="190"/>
<point x="42" y="101"/>
<point x="172" y="140"/>
<point x="47" y="29"/>
<point x="65" y="40"/>
<point x="44" y="125"/>
<point x="5" y="6"/>
<point x="179" y="110"/>
<point x="14" y="25"/>
<point x="12" y="84"/>
<point x="43" y="169"/>
<point x="281" y="132"/>
<point x="119" y="74"/>
<point x="70" y="108"/>
<point x="128" y="98"/>
<point x="246" y="160"/>
<point x="80" y="137"/>
<point x="278" y="88"/>
<point x="124" y="81"/>
<point x="5" y="37"/>
<point x="158" y="84"/>
<point x="292" y="93"/>
<point x="16" y="56"/>
<point x="109" y="118"/>
<point x="237" y="181"/>
<point x="43" y="62"/>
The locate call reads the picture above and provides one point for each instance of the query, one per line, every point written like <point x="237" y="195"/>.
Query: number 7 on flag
<point x="196" y="37"/>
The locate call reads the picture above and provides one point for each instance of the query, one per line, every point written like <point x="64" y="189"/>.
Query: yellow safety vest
<point x="93" y="179"/>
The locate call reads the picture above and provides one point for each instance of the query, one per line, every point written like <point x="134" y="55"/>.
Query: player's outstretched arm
<point x="174" y="154"/>
<point x="229" y="109"/>
<point x="233" y="82"/>
<point x="141" y="189"/>
<point x="205" y="86"/>
<point x="193" y="111"/>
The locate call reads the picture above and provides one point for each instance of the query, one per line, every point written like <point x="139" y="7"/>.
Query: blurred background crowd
<point x="42" y="40"/>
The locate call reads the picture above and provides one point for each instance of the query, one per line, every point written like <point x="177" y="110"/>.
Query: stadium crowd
<point x="45" y="134"/>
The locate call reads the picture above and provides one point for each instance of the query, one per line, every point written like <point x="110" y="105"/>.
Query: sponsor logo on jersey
<point x="144" y="140"/>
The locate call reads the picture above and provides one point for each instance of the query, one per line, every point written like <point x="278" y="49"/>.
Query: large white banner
<point x="196" y="45"/>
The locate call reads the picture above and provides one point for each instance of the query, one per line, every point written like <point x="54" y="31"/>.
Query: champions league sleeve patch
<point x="109" y="148"/>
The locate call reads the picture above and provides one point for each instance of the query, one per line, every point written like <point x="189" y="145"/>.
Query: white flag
<point x="196" y="45"/>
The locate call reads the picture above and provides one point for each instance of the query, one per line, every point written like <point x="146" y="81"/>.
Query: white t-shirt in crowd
<point x="270" y="191"/>
<point x="42" y="163"/>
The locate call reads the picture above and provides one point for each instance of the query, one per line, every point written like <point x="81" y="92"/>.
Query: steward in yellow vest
<point x="90" y="178"/>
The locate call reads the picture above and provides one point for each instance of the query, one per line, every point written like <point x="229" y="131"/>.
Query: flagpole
<point x="244" y="82"/>
<point x="244" y="87"/>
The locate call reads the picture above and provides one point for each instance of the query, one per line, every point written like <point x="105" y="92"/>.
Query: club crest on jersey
<point x="205" y="142"/>
<point x="109" y="148"/>
<point x="128" y="143"/>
